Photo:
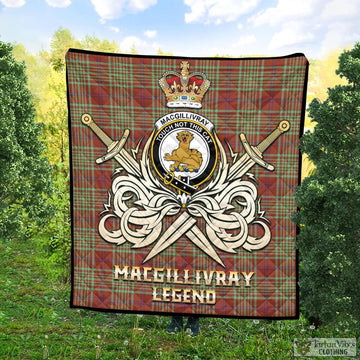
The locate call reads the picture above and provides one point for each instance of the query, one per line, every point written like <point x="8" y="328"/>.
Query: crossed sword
<point x="185" y="224"/>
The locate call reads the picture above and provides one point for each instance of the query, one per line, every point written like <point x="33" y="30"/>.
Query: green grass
<point x="36" y="322"/>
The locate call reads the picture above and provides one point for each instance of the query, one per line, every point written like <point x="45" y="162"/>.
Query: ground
<point x="36" y="322"/>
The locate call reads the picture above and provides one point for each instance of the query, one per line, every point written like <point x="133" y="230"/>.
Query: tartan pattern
<point x="249" y="95"/>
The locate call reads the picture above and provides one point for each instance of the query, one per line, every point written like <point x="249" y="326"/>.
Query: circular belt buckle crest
<point x="183" y="151"/>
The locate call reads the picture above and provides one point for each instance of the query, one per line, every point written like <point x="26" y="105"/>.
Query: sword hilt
<point x="115" y="149"/>
<point x="283" y="126"/>
<point x="87" y="120"/>
<point x="255" y="152"/>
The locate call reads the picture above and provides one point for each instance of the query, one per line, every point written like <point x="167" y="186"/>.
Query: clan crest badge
<point x="184" y="151"/>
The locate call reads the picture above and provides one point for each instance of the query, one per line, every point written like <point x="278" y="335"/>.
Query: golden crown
<point x="184" y="89"/>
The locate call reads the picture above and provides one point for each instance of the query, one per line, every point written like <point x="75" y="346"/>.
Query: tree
<point x="164" y="53"/>
<point x="63" y="40"/>
<point x="51" y="111"/>
<point x="133" y="50"/>
<point x="95" y="44"/>
<point x="25" y="174"/>
<point x="329" y="203"/>
<point x="37" y="72"/>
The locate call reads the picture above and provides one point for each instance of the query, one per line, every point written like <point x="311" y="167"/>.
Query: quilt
<point x="183" y="173"/>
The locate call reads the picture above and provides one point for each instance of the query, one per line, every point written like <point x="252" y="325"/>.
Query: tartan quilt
<point x="183" y="172"/>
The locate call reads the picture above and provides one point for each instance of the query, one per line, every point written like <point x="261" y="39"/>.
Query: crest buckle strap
<point x="170" y="179"/>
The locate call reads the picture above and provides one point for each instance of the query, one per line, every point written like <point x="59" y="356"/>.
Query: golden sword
<point x="254" y="154"/>
<point x="115" y="149"/>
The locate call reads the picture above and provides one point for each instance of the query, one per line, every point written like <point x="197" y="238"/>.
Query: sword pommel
<point x="86" y="119"/>
<point x="284" y="126"/>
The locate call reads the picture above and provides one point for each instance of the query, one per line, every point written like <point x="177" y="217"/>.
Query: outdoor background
<point x="35" y="319"/>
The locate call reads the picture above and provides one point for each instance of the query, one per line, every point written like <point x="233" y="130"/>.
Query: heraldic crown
<point x="184" y="89"/>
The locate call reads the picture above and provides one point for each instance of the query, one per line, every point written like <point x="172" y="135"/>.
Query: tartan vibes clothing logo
<point x="192" y="181"/>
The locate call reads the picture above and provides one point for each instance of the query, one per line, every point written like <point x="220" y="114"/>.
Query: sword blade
<point x="241" y="167"/>
<point x="128" y="163"/>
<point x="184" y="225"/>
<point x="200" y="240"/>
<point x="178" y="228"/>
